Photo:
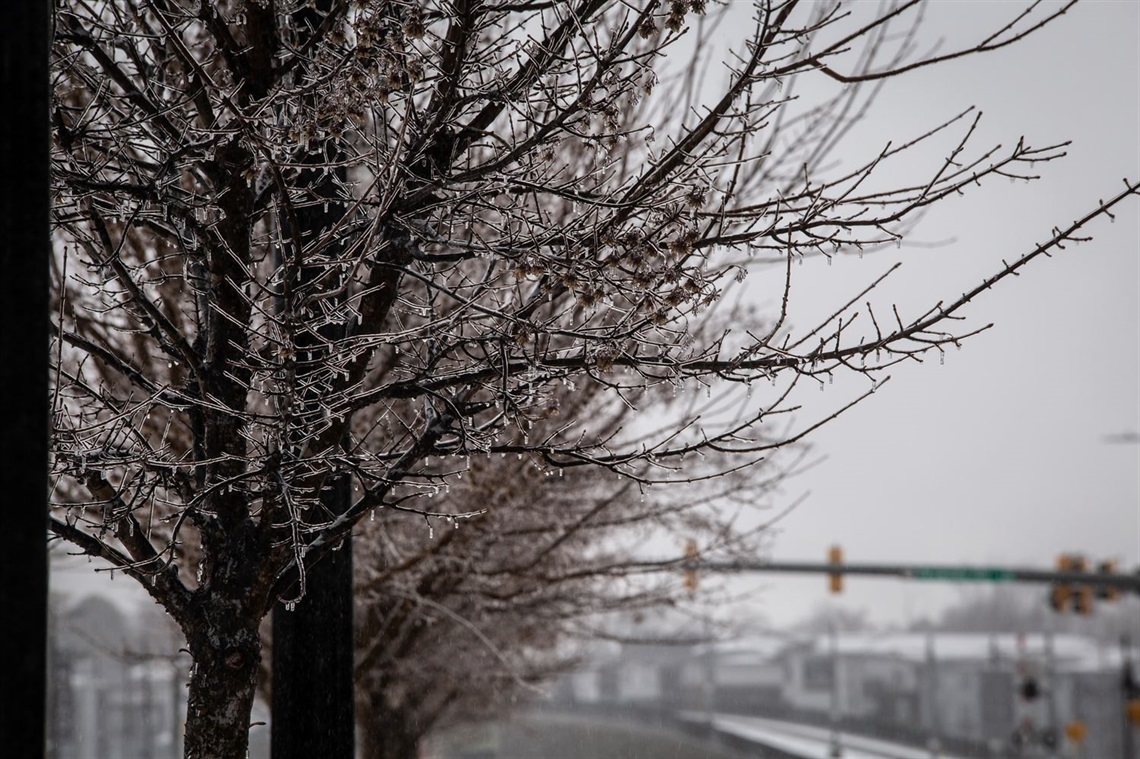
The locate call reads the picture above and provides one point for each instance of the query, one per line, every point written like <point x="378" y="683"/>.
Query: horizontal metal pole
<point x="927" y="572"/>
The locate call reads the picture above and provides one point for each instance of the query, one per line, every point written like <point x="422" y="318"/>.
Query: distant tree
<point x="388" y="241"/>
<point x="462" y="619"/>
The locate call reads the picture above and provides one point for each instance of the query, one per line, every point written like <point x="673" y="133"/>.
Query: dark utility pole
<point x="313" y="712"/>
<point x="25" y="247"/>
<point x="313" y="709"/>
<point x="312" y="659"/>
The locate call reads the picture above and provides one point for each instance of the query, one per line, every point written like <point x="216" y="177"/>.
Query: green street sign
<point x="963" y="574"/>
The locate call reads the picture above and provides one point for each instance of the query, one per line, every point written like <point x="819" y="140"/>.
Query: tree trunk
<point x="227" y="652"/>
<point x="387" y="733"/>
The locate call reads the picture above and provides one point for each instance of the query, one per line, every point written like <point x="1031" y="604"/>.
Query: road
<point x="811" y="742"/>
<point x="544" y="735"/>
<point x="548" y="735"/>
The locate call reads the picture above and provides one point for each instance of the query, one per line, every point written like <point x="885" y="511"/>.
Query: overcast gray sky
<point x="1000" y="455"/>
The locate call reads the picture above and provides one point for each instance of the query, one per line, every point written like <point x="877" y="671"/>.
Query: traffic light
<point x="691" y="572"/>
<point x="1076" y="731"/>
<point x="1062" y="591"/>
<point x="835" y="579"/>
<point x="1107" y="592"/>
<point x="1131" y="691"/>
<point x="1083" y="600"/>
<point x="1132" y="711"/>
<point x="1082" y="596"/>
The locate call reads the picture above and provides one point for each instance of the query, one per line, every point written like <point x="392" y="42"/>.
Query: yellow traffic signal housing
<point x="1107" y="592"/>
<point x="1083" y="603"/>
<point x="1077" y="563"/>
<point x="1062" y="591"/>
<point x="1083" y="599"/>
<point x="1059" y="597"/>
<point x="1076" y="731"/>
<point x="835" y="579"/>
<point x="690" y="580"/>
<point x="1132" y="711"/>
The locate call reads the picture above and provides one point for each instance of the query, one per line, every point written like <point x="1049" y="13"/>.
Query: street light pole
<point x="312" y="711"/>
<point x="934" y="744"/>
<point x="1051" y="693"/>
<point x="1128" y="688"/>
<point x="833" y="646"/>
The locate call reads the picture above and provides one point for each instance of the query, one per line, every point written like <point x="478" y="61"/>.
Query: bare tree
<point x="459" y="620"/>
<point x="300" y="242"/>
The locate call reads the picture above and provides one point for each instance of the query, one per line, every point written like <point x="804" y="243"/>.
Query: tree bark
<point x="227" y="652"/>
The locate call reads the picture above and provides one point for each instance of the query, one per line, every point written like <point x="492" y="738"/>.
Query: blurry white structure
<point x="965" y="690"/>
<point x="117" y="687"/>
<point x="117" y="683"/>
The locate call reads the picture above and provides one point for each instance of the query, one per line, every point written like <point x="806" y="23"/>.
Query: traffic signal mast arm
<point x="944" y="572"/>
